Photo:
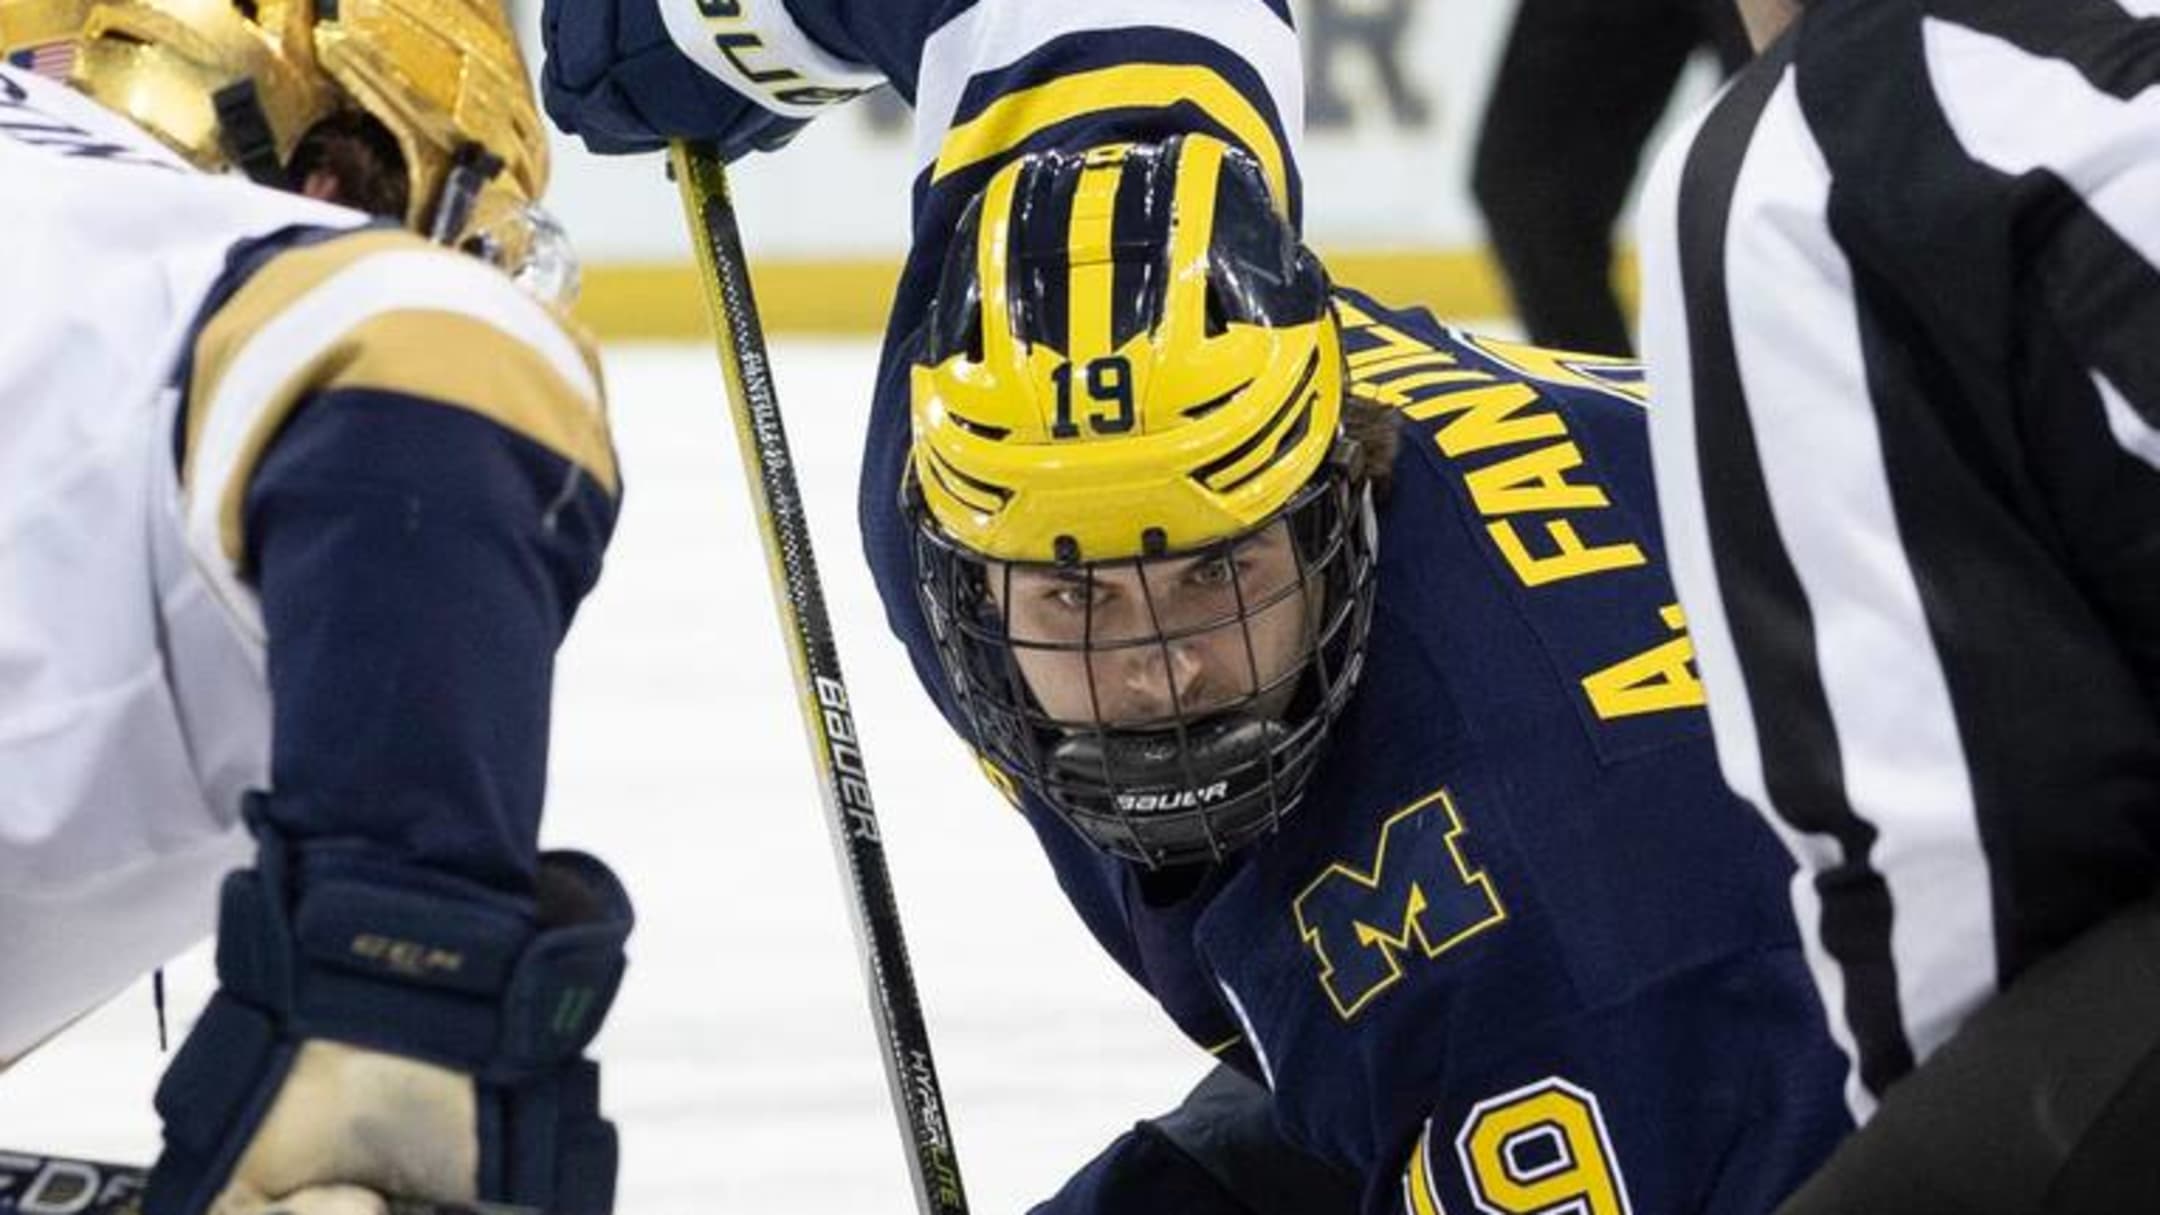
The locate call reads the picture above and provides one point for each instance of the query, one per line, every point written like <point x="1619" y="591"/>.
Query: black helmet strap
<point x="244" y="134"/>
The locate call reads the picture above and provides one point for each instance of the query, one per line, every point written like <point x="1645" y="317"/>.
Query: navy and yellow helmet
<point x="1131" y="365"/>
<point x="1126" y="342"/>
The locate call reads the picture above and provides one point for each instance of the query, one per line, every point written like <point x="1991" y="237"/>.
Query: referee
<point x="1902" y="320"/>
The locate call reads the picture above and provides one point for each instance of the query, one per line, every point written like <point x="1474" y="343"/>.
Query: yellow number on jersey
<point x="1541" y="1150"/>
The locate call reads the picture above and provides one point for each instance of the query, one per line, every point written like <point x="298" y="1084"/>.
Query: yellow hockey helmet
<point x="1130" y="351"/>
<point x="238" y="83"/>
<point x="1144" y="546"/>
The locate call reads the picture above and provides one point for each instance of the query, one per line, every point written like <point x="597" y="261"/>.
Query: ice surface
<point x="739" y="1063"/>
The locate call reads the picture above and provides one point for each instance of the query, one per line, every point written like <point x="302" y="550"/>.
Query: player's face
<point x="1138" y="643"/>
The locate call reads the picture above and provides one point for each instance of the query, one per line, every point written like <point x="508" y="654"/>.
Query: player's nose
<point x="1164" y="680"/>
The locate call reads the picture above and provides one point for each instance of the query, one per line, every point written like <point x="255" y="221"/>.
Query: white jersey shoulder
<point x="132" y="708"/>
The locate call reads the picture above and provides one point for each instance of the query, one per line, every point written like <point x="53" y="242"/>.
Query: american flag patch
<point x="52" y="60"/>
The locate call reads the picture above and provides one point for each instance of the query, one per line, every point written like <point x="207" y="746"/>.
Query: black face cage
<point x="1186" y="786"/>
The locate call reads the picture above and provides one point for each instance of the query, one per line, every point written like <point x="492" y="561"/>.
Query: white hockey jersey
<point x="133" y="707"/>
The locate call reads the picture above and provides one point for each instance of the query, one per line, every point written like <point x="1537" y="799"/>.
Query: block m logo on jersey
<point x="1419" y="898"/>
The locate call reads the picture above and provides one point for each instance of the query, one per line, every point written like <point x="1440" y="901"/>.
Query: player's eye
<point x="1076" y="596"/>
<point x="1213" y="573"/>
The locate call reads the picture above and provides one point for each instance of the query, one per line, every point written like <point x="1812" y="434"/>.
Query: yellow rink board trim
<point x="629" y="301"/>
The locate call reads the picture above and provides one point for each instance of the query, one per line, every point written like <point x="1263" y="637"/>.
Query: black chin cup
<point x="1171" y="797"/>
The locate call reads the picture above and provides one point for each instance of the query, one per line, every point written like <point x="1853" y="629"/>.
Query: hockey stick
<point x="57" y="1185"/>
<point x="834" y="745"/>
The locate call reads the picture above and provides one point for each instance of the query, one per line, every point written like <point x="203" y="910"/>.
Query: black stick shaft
<point x="834" y="743"/>
<point x="34" y="1184"/>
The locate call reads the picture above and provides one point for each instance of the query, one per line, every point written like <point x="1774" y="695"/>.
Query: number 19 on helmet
<point x="1144" y="544"/>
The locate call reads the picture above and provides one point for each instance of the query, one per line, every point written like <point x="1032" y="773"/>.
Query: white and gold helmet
<point x="238" y="84"/>
<point x="39" y="35"/>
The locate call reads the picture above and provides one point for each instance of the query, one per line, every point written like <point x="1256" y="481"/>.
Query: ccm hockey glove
<point x="381" y="1030"/>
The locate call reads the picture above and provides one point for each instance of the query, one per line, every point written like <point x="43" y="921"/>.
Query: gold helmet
<point x="1128" y="457"/>
<point x="238" y="83"/>
<point x="40" y="34"/>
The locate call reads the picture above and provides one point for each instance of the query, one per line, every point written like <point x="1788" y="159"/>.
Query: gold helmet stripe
<point x="1088" y="241"/>
<point x="992" y="260"/>
<point x="1192" y="214"/>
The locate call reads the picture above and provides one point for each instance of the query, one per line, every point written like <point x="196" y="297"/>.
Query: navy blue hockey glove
<point x="1219" y="1153"/>
<point x="380" y="1030"/>
<point x="612" y="78"/>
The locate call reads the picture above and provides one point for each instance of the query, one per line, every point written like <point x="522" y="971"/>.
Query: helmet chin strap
<point x="470" y="170"/>
<point x="244" y="134"/>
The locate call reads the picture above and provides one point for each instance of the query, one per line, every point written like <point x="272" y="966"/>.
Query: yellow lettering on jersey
<point x="1400" y="391"/>
<point x="1352" y="316"/>
<point x="1484" y="413"/>
<point x="1614" y="377"/>
<point x="1339" y="915"/>
<point x="1408" y="362"/>
<point x="1533" y="481"/>
<point x="1655" y="681"/>
<point x="1394" y="344"/>
<point x="1488" y="417"/>
<point x="1570" y="558"/>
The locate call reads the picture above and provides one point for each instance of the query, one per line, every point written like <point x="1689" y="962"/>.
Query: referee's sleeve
<point x="2078" y="130"/>
<point x="1901" y="321"/>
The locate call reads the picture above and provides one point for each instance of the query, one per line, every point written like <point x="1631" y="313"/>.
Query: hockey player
<point x="1902" y="299"/>
<point x="1375" y="754"/>
<point x="1350" y="738"/>
<point x="297" y="505"/>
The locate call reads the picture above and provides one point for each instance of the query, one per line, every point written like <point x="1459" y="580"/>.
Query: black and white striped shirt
<point x="1902" y="320"/>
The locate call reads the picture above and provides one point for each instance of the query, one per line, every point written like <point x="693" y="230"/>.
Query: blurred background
<point x="1396" y="100"/>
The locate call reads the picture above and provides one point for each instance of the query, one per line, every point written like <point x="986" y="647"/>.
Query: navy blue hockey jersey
<point x="1520" y="950"/>
<point x="1519" y="947"/>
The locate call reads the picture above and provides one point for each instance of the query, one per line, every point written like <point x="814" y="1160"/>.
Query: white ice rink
<point x="739" y="1063"/>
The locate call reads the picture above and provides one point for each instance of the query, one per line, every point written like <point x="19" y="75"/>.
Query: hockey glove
<point x="385" y="1031"/>
<point x="612" y="78"/>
